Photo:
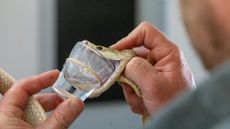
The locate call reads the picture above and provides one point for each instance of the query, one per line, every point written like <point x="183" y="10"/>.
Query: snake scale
<point x="35" y="114"/>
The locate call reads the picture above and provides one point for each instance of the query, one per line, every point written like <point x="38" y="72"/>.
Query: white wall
<point x="26" y="37"/>
<point x="150" y="10"/>
<point x="19" y="37"/>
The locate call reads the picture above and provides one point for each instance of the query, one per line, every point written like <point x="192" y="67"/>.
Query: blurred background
<point x="38" y="35"/>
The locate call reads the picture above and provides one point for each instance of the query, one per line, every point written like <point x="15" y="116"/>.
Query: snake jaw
<point x="111" y="54"/>
<point x="34" y="114"/>
<point x="119" y="59"/>
<point x="90" y="70"/>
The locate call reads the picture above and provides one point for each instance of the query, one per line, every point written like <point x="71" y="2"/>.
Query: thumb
<point x="64" y="114"/>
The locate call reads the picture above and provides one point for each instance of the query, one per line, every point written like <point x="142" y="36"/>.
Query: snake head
<point x="110" y="53"/>
<point x="93" y="68"/>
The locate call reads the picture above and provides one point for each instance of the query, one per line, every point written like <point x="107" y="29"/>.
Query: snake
<point x="34" y="114"/>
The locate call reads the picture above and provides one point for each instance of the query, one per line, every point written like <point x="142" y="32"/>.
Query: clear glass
<point x="84" y="71"/>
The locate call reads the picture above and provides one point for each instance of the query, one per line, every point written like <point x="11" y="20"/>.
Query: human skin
<point x="16" y="98"/>
<point x="221" y="14"/>
<point x="159" y="69"/>
<point x="207" y="23"/>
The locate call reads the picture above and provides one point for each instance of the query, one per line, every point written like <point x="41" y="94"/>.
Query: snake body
<point x="120" y="60"/>
<point x="34" y="113"/>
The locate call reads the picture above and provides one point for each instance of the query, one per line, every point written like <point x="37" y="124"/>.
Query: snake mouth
<point x="86" y="68"/>
<point x="87" y="72"/>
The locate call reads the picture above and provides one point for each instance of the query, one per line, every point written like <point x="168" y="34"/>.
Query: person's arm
<point x="159" y="69"/>
<point x="17" y="97"/>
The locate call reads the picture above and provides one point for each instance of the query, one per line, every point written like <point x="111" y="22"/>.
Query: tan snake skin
<point x="34" y="113"/>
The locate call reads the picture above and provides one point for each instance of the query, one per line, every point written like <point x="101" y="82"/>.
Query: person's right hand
<point x="159" y="70"/>
<point x="14" y="102"/>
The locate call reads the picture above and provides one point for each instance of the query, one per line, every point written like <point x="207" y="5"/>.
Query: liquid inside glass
<point x="84" y="71"/>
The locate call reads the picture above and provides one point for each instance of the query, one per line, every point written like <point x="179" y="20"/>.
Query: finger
<point x="49" y="101"/>
<point x="141" y="51"/>
<point x="145" y="53"/>
<point x="64" y="114"/>
<point x="133" y="100"/>
<point x="131" y="97"/>
<point x="151" y="38"/>
<point x="18" y="95"/>
<point x="135" y="70"/>
<point x="151" y="59"/>
<point x="145" y="34"/>
<point x="137" y="110"/>
<point x="34" y="84"/>
<point x="127" y="89"/>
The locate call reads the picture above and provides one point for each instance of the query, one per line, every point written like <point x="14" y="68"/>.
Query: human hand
<point x="16" y="98"/>
<point x="159" y="69"/>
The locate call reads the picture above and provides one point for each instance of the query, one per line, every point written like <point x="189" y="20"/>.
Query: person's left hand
<point x="16" y="98"/>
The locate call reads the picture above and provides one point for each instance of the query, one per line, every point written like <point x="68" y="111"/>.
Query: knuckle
<point x="61" y="119"/>
<point x="24" y="81"/>
<point x="17" y="82"/>
<point x="138" y="65"/>
<point x="135" y="63"/>
<point x="176" y="48"/>
<point x="176" y="51"/>
<point x="142" y="67"/>
<point x="145" y="24"/>
<point x="20" y="83"/>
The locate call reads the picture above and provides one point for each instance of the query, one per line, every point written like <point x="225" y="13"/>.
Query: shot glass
<point x="84" y="71"/>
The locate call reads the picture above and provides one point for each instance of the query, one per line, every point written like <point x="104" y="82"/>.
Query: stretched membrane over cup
<point x="84" y="71"/>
